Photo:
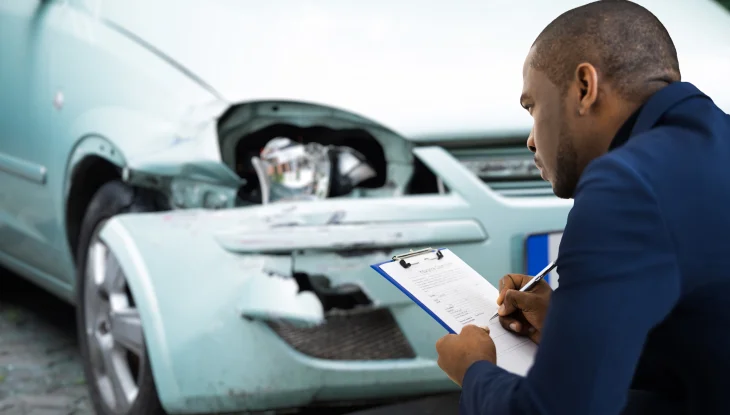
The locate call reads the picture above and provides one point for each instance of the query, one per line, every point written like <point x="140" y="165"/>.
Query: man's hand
<point x="458" y="352"/>
<point x="523" y="312"/>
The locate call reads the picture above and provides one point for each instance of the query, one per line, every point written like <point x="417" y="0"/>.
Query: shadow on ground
<point x="40" y="366"/>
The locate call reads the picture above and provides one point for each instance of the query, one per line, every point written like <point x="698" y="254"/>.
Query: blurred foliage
<point x="725" y="3"/>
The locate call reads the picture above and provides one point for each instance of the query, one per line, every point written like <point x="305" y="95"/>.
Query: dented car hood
<point x="435" y="69"/>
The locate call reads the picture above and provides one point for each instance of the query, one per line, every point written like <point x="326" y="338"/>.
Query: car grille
<point x="517" y="186"/>
<point x="522" y="189"/>
<point x="366" y="334"/>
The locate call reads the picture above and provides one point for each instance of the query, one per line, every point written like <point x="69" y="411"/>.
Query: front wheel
<point x="111" y="339"/>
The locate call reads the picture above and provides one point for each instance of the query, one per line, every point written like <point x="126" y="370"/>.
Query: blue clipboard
<point x="402" y="259"/>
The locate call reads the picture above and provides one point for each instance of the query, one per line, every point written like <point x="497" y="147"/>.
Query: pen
<point x="540" y="275"/>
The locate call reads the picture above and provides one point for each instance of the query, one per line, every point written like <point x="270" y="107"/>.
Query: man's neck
<point x="618" y="113"/>
<point x="622" y="133"/>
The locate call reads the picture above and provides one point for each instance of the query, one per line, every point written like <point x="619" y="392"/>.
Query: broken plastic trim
<point x="342" y="297"/>
<point x="188" y="191"/>
<point x="279" y="298"/>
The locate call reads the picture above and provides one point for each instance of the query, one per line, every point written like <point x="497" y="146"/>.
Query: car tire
<point x="105" y="360"/>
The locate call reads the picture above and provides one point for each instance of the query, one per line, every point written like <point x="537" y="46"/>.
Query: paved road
<point x="40" y="366"/>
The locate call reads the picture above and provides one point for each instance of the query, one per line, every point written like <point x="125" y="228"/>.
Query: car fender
<point x="92" y="145"/>
<point x="190" y="306"/>
<point x="128" y="138"/>
<point x="138" y="135"/>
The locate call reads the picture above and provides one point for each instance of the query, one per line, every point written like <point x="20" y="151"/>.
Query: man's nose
<point x="531" y="141"/>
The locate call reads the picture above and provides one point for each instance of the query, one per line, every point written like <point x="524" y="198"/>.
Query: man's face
<point x="554" y="132"/>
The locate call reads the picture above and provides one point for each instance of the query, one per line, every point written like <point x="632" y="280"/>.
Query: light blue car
<point x="209" y="181"/>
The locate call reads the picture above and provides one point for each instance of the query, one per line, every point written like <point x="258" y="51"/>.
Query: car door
<point x="30" y="160"/>
<point x="20" y="175"/>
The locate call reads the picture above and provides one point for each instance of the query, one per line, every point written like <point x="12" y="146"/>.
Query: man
<point x="643" y="307"/>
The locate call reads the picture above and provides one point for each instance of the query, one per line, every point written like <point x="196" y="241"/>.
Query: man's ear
<point x="586" y="78"/>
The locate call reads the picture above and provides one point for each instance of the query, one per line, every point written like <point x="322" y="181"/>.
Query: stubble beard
<point x="566" y="171"/>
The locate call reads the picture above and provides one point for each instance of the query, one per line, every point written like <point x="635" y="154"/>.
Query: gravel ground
<point x="40" y="365"/>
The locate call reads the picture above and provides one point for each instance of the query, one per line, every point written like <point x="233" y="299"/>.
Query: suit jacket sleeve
<point x="618" y="279"/>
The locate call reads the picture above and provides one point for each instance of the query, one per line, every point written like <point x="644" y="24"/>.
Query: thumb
<point x="517" y="300"/>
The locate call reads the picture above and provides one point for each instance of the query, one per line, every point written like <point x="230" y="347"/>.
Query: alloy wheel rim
<point x="113" y="328"/>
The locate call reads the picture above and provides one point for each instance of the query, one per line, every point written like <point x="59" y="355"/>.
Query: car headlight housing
<point x="288" y="170"/>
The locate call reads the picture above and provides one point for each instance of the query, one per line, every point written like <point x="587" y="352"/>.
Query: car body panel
<point x="370" y="234"/>
<point x="58" y="51"/>
<point x="227" y="346"/>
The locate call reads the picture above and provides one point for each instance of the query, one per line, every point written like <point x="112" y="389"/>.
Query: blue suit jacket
<point x="644" y="264"/>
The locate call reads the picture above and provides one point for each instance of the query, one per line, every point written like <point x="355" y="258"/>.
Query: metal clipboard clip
<point x="402" y="257"/>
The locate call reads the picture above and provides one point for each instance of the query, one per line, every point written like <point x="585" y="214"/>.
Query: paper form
<point x="459" y="296"/>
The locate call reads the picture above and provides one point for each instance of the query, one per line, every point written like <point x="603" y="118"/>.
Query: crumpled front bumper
<point x="226" y="323"/>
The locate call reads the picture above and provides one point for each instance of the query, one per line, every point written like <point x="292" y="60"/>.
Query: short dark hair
<point x="626" y="43"/>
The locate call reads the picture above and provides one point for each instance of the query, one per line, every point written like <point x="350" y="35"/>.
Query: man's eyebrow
<point x="524" y="97"/>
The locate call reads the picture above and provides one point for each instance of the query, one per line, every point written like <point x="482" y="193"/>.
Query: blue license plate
<point x="540" y="250"/>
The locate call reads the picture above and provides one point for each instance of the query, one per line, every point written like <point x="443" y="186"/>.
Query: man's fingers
<point x="510" y="324"/>
<point x="508" y="282"/>
<point x="516" y="323"/>
<point x="473" y="329"/>
<point x="516" y="300"/>
<point x="443" y="341"/>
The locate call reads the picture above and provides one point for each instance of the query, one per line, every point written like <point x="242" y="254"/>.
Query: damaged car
<point x="208" y="183"/>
